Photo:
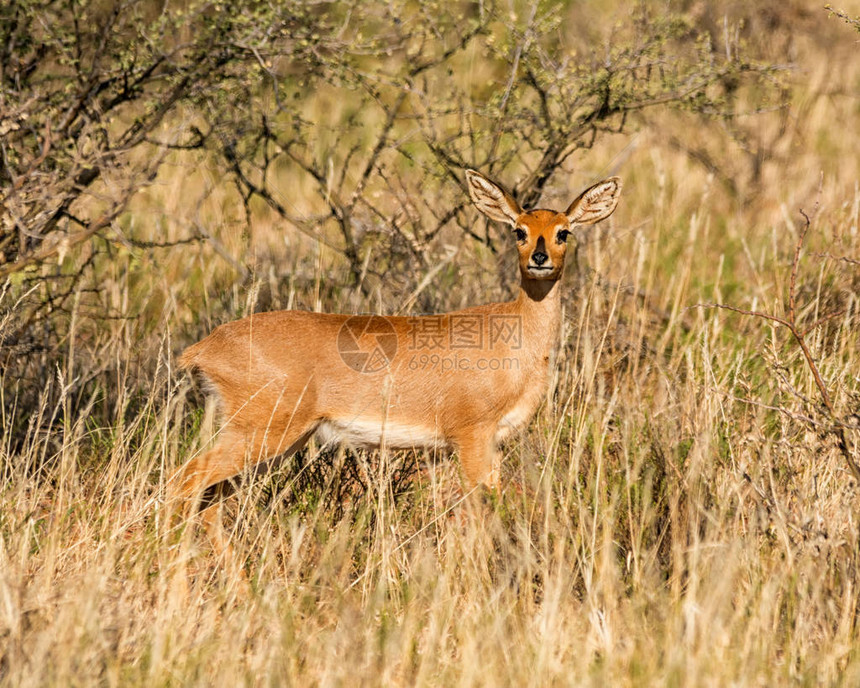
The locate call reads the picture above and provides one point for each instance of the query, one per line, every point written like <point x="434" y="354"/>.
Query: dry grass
<point x="680" y="523"/>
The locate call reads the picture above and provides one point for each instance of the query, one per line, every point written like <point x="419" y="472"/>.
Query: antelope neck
<point x="540" y="302"/>
<point x="539" y="291"/>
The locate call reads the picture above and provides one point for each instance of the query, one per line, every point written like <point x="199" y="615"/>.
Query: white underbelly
<point x="363" y="433"/>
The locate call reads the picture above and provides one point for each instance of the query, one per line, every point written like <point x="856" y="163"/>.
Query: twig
<point x="823" y="319"/>
<point x="840" y="259"/>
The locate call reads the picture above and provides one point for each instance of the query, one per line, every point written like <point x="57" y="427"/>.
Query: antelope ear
<point x="596" y="203"/>
<point x="491" y="199"/>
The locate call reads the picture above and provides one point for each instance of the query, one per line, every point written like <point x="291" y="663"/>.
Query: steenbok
<point x="459" y="381"/>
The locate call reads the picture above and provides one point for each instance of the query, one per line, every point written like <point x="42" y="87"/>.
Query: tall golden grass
<point x="678" y="522"/>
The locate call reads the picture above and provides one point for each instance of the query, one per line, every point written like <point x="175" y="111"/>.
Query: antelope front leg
<point x="479" y="457"/>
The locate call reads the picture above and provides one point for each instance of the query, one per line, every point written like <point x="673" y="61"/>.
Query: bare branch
<point x="836" y="425"/>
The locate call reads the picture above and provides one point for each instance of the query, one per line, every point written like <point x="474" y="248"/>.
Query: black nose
<point x="539" y="257"/>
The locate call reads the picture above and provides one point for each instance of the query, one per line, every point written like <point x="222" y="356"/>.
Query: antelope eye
<point x="520" y="234"/>
<point x="561" y="237"/>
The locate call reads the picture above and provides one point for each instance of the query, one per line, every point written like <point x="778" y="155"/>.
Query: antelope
<point x="461" y="381"/>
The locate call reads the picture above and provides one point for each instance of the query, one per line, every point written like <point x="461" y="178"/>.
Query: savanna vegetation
<point x="683" y="510"/>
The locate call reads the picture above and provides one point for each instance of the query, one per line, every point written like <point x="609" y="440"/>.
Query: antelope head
<point x="543" y="235"/>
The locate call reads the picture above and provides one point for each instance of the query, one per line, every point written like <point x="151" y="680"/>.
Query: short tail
<point x="188" y="359"/>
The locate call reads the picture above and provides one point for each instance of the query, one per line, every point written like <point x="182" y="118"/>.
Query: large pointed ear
<point x="596" y="203"/>
<point x="492" y="199"/>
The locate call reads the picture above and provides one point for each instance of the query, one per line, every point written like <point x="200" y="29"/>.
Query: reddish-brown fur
<point x="460" y="380"/>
